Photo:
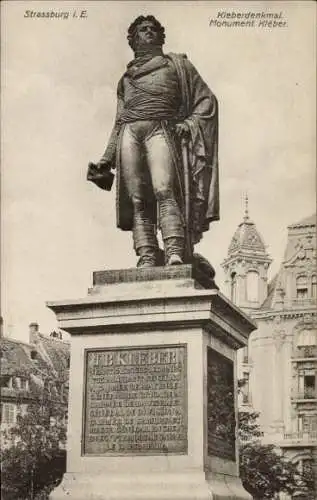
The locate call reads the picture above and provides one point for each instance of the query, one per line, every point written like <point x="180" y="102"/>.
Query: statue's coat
<point x="200" y="111"/>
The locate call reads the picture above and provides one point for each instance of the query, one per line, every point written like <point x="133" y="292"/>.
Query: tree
<point x="249" y="428"/>
<point x="307" y="485"/>
<point x="265" y="472"/>
<point x="35" y="461"/>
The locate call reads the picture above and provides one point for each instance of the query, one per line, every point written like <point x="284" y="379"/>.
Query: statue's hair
<point x="133" y="28"/>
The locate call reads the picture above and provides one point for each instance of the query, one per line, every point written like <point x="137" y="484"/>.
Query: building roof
<point x="311" y="220"/>
<point x="246" y="246"/>
<point x="49" y="354"/>
<point x="15" y="357"/>
<point x="247" y="237"/>
<point x="299" y="257"/>
<point x="57" y="351"/>
<point x="307" y="221"/>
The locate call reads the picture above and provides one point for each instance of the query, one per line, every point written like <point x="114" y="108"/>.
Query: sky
<point x="58" y="98"/>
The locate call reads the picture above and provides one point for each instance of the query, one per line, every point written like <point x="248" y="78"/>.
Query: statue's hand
<point x="104" y="164"/>
<point x="182" y="129"/>
<point x="100" y="174"/>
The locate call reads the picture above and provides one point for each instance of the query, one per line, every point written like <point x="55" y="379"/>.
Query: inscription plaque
<point x="220" y="405"/>
<point x="135" y="401"/>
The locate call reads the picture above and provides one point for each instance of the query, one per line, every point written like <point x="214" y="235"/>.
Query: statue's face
<point x="147" y="34"/>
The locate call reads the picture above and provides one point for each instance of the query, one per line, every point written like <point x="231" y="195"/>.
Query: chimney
<point x="33" y="333"/>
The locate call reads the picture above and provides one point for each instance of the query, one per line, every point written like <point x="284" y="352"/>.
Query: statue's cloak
<point x="200" y="111"/>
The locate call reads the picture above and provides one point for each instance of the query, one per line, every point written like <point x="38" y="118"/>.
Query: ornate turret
<point x="246" y="265"/>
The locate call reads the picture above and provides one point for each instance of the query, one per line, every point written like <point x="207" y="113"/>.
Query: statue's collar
<point x="145" y="64"/>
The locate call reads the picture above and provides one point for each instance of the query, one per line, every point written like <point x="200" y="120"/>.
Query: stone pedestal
<point x="152" y="401"/>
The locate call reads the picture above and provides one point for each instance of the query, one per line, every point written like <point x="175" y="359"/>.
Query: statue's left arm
<point x="200" y="114"/>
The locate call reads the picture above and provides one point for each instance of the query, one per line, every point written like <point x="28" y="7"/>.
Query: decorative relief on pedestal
<point x="220" y="405"/>
<point x="135" y="401"/>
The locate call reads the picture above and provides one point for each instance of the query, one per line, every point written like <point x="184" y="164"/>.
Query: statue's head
<point x="145" y="32"/>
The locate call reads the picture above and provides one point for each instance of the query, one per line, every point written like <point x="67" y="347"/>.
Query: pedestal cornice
<point x="173" y="299"/>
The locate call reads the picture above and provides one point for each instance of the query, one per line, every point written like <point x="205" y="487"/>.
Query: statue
<point x="164" y="147"/>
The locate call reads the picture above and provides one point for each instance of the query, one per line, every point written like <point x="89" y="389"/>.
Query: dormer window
<point x="301" y="287"/>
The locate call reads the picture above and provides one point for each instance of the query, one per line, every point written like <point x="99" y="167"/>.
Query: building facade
<point x="280" y="364"/>
<point x="29" y="369"/>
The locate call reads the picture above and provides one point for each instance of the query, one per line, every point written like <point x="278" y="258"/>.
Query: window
<point x="245" y="388"/>
<point x="24" y="384"/>
<point x="245" y="351"/>
<point x="301" y="287"/>
<point x="8" y="413"/>
<point x="314" y="286"/>
<point x="309" y="386"/>
<point x="53" y="421"/>
<point x="21" y="383"/>
<point x="252" y="286"/>
<point x="23" y="409"/>
<point x="6" y="381"/>
<point x="233" y="290"/>
<point x="307" y="338"/>
<point x="309" y="423"/>
<point x="48" y="386"/>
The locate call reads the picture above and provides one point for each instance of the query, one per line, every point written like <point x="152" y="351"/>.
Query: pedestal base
<point x="156" y="486"/>
<point x="152" y="362"/>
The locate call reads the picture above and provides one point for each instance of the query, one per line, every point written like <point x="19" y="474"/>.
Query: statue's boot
<point x="147" y="257"/>
<point x="171" y="223"/>
<point x="174" y="250"/>
<point x="145" y="243"/>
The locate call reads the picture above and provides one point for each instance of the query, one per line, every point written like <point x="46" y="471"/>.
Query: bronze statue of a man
<point x="164" y="146"/>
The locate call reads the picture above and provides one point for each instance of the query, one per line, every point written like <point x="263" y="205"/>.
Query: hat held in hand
<point x="102" y="177"/>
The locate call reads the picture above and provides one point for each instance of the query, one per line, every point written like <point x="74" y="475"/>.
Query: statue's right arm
<point x="109" y="156"/>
